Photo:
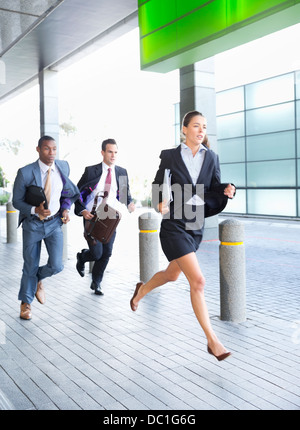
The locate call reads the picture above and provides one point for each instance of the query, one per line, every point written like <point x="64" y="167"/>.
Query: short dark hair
<point x="108" y="142"/>
<point x="43" y="139"/>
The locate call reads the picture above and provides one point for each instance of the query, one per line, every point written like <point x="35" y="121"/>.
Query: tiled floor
<point x="82" y="351"/>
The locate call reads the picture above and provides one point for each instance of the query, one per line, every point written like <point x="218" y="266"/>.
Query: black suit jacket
<point x="89" y="181"/>
<point x="215" y="200"/>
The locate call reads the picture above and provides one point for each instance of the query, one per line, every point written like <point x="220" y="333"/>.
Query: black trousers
<point x="100" y="254"/>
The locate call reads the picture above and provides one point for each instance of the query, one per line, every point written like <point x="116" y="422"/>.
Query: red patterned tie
<point x="107" y="183"/>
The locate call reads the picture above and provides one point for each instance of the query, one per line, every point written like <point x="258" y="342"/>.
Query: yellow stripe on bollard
<point x="232" y="243"/>
<point x="11" y="212"/>
<point x="148" y="231"/>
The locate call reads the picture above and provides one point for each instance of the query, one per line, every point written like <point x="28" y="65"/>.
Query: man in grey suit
<point x="42" y="222"/>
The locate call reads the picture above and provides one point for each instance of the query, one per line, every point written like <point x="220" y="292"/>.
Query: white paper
<point x="196" y="201"/>
<point x="167" y="190"/>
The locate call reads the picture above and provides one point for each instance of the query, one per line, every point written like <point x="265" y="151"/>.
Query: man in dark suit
<point x="101" y="179"/>
<point x="42" y="222"/>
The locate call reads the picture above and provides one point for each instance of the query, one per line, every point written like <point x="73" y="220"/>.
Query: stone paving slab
<point x="86" y="352"/>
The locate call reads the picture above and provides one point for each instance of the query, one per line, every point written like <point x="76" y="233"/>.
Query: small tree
<point x="3" y="181"/>
<point x="10" y="146"/>
<point x="67" y="129"/>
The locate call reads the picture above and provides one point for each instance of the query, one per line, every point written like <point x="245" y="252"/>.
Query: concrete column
<point x="49" y="118"/>
<point x="148" y="245"/>
<point x="197" y="92"/>
<point x="49" y="121"/>
<point x="232" y="271"/>
<point x="11" y="223"/>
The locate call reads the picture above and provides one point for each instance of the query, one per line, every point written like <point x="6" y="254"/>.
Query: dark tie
<point x="107" y="183"/>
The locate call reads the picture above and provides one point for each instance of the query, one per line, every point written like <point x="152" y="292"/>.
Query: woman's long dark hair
<point x="187" y="119"/>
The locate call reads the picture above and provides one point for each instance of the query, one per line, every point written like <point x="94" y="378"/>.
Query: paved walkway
<point x="82" y="351"/>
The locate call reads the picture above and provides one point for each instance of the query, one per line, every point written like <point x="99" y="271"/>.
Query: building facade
<point x="259" y="145"/>
<point x="258" y="130"/>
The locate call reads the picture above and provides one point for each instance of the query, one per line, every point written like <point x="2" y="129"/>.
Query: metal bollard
<point x="11" y="223"/>
<point x="232" y="271"/>
<point x="148" y="245"/>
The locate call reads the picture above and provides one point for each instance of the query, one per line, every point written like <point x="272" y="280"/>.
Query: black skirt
<point x="176" y="241"/>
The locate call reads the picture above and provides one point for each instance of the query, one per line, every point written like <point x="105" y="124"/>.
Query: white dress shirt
<point x="193" y="164"/>
<point x="56" y="187"/>
<point x="111" y="199"/>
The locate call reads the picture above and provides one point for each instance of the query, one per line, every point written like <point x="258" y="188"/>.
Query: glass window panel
<point x="272" y="202"/>
<point x="298" y="143"/>
<point x="272" y="174"/>
<point x="234" y="173"/>
<point x="298" y="173"/>
<point x="298" y="85"/>
<point x="238" y="204"/>
<point x="271" y="91"/>
<point x="298" y="114"/>
<point x="271" y="146"/>
<point x="231" y="150"/>
<point x="270" y="119"/>
<point x="230" y="101"/>
<point x="298" y="214"/>
<point x="176" y="134"/>
<point x="231" y="126"/>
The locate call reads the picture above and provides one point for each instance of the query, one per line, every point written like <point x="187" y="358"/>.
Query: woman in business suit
<point x="191" y="163"/>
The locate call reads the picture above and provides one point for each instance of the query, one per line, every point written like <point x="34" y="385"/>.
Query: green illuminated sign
<point x="174" y="33"/>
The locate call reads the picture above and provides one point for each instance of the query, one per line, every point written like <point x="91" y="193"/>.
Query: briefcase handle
<point x="93" y="211"/>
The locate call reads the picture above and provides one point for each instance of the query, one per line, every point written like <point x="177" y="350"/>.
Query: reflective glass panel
<point x="177" y="134"/>
<point x="298" y="114"/>
<point x="233" y="173"/>
<point x="230" y="126"/>
<point x="271" y="146"/>
<point x="230" y="101"/>
<point x="274" y="118"/>
<point x="231" y="150"/>
<point x="272" y="202"/>
<point x="298" y="143"/>
<point x="298" y="85"/>
<point x="272" y="174"/>
<point x="237" y="204"/>
<point x="271" y="91"/>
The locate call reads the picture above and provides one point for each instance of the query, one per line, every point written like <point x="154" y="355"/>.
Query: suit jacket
<point x="215" y="200"/>
<point x="31" y="175"/>
<point x="90" y="179"/>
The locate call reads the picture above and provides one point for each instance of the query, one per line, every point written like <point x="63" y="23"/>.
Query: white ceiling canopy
<point x="19" y="17"/>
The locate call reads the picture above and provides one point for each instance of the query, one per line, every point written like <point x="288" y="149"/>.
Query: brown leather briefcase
<point x="104" y="223"/>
